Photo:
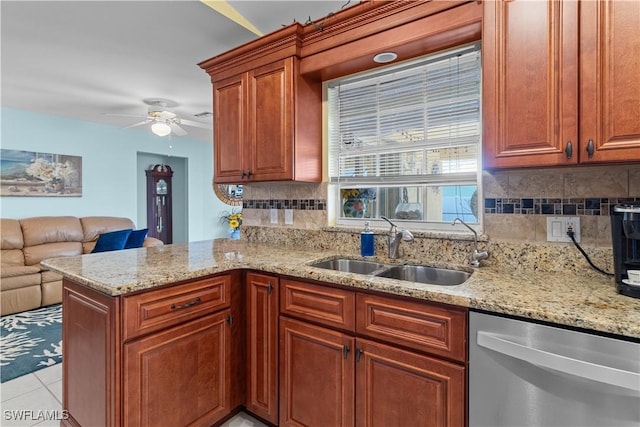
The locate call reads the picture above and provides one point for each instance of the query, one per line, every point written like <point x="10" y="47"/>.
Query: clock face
<point x="161" y="187"/>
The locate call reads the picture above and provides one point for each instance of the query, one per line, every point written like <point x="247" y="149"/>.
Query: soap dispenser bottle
<point x="367" y="247"/>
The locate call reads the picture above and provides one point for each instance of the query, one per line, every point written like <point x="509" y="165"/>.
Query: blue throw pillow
<point x="136" y="238"/>
<point x="113" y="241"/>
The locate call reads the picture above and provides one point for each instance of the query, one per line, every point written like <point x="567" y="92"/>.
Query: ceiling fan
<point x="163" y="121"/>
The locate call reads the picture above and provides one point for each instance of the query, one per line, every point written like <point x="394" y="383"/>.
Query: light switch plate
<point x="288" y="216"/>
<point x="274" y="216"/>
<point x="557" y="227"/>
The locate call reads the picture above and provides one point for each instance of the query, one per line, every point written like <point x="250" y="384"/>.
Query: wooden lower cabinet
<point x="331" y="378"/>
<point x="316" y="376"/>
<point x="179" y="376"/>
<point x="262" y="346"/>
<point x="401" y="388"/>
<point x="176" y="369"/>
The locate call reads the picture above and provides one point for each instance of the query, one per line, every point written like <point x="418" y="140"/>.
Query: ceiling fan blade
<point x="195" y="124"/>
<point x="144" y="122"/>
<point x="177" y="129"/>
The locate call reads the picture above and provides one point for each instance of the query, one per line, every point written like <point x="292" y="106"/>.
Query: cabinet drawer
<point x="421" y="326"/>
<point x="319" y="304"/>
<point x="154" y="310"/>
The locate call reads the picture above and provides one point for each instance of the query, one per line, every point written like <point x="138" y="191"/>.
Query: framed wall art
<point x="28" y="173"/>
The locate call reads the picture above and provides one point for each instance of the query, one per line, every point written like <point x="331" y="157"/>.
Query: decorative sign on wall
<point x="27" y="173"/>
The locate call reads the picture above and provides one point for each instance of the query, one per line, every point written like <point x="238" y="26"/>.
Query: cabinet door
<point x="229" y="141"/>
<point x="400" y="388"/>
<point x="271" y="121"/>
<point x="262" y="346"/>
<point x="316" y="376"/>
<point x="610" y="80"/>
<point x="530" y="83"/>
<point x="180" y="376"/>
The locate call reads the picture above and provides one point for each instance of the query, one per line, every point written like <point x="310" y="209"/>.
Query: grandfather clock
<point x="159" y="212"/>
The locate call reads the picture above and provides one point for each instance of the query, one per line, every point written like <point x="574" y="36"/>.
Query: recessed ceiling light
<point x="384" y="57"/>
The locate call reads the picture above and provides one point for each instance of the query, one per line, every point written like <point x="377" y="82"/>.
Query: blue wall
<point x="109" y="170"/>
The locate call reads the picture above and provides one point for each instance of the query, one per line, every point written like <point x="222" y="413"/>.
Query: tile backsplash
<point x="516" y="202"/>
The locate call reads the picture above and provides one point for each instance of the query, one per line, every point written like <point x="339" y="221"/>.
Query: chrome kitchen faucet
<point x="475" y="256"/>
<point x="395" y="237"/>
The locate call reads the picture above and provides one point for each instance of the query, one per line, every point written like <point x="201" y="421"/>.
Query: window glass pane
<point x="404" y="140"/>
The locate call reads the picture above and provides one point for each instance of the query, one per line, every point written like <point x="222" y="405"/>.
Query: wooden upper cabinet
<point x="267" y="116"/>
<point x="610" y="80"/>
<point x="530" y="84"/>
<point x="229" y="133"/>
<point x="554" y="76"/>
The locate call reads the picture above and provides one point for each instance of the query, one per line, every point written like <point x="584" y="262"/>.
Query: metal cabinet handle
<point x="558" y="362"/>
<point x="569" y="149"/>
<point x="359" y="352"/>
<point x="269" y="288"/>
<point x="186" y="304"/>
<point x="590" y="148"/>
<point x="345" y="351"/>
<point x="230" y="320"/>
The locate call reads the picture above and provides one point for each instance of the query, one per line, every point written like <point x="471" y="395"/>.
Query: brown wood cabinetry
<point x="329" y="354"/>
<point x="262" y="346"/>
<point x="559" y="82"/>
<point x="267" y="122"/>
<point x="162" y="357"/>
<point x="179" y="376"/>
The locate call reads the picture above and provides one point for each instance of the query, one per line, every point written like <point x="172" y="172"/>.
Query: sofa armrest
<point x="151" y="241"/>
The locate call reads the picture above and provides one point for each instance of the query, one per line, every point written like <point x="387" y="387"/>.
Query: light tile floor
<point x="36" y="400"/>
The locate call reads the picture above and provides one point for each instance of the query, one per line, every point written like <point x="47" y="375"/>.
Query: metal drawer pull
<point x="186" y="304"/>
<point x="578" y="368"/>
<point x="345" y="351"/>
<point x="569" y="149"/>
<point x="590" y="148"/>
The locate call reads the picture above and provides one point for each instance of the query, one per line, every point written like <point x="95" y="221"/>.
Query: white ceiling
<point x="88" y="59"/>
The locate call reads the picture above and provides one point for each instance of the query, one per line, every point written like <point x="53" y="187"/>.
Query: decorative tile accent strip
<point x="301" y="204"/>
<point x="574" y="206"/>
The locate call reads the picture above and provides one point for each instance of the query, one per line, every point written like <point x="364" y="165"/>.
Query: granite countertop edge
<point x="588" y="302"/>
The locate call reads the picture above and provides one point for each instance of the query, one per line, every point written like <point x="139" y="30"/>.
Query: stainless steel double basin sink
<point x="407" y="272"/>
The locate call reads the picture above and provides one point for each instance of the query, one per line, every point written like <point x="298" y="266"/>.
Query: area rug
<point x="30" y="341"/>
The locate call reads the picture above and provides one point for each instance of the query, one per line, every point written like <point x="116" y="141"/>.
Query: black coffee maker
<point x="625" y="231"/>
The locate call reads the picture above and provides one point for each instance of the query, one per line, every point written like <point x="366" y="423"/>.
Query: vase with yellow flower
<point x="234" y="220"/>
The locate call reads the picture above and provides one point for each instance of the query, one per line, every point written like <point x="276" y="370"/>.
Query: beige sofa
<point x="24" y="284"/>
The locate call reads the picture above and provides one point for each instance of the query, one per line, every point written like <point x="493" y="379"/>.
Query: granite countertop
<point x="566" y="299"/>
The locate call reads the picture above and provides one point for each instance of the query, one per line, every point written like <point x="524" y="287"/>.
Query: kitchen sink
<point x="407" y="272"/>
<point x="350" y="265"/>
<point x="423" y="274"/>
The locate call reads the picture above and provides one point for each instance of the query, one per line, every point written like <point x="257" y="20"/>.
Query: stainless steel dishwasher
<point x="528" y="374"/>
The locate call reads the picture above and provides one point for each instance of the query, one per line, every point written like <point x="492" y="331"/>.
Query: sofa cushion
<point x="93" y="226"/>
<point x="12" y="257"/>
<point x="50" y="229"/>
<point x="17" y="300"/>
<point x="34" y="254"/>
<point x="136" y="239"/>
<point x="112" y="241"/>
<point x="50" y="276"/>
<point x="10" y="234"/>
<point x="17" y="282"/>
<point x="18" y="270"/>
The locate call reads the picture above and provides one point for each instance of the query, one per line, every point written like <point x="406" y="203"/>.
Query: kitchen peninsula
<point x="132" y="318"/>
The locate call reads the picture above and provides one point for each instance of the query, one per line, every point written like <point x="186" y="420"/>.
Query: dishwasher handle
<point x="579" y="368"/>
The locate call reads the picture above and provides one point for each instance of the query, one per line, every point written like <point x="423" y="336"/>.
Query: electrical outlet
<point x="274" y="216"/>
<point x="288" y="216"/>
<point x="557" y="227"/>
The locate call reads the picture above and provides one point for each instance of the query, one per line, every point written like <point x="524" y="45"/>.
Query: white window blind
<point x="417" y="122"/>
<point x="405" y="140"/>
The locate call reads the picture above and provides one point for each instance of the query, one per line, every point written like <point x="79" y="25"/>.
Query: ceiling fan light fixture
<point x="161" y="129"/>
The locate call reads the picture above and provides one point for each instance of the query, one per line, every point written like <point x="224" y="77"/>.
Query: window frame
<point x="334" y="199"/>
